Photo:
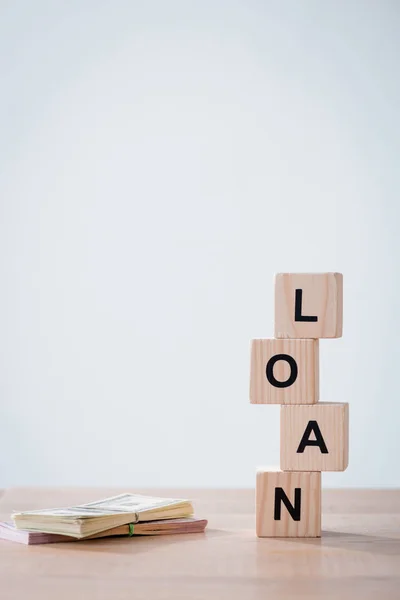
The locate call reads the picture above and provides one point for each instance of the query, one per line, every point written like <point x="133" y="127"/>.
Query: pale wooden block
<point x="315" y="437"/>
<point x="301" y="516"/>
<point x="284" y="371"/>
<point x="308" y="305"/>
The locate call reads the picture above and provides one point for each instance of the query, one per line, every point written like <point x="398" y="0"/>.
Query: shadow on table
<point x="136" y="544"/>
<point x="351" y="541"/>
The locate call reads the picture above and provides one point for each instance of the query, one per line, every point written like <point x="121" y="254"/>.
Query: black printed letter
<point x="270" y="370"/>
<point x="297" y="309"/>
<point x="294" y="510"/>
<point x="319" y="440"/>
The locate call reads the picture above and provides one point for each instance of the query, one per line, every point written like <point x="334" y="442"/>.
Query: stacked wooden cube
<point x="314" y="434"/>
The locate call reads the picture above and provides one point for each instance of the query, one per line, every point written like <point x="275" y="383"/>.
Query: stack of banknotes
<point x="123" y="515"/>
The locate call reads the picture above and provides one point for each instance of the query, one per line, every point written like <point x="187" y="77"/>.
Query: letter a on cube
<point x="308" y="305"/>
<point x="315" y="438"/>
<point x="288" y="504"/>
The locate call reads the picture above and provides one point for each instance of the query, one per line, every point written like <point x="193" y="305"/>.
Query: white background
<point x="159" y="162"/>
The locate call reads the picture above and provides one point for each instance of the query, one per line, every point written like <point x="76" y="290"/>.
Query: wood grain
<point x="357" y="557"/>
<point x="322" y="297"/>
<point x="309" y="484"/>
<point x="304" y="390"/>
<point x="333" y="423"/>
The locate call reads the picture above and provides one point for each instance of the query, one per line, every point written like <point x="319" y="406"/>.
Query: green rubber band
<point x="131" y="528"/>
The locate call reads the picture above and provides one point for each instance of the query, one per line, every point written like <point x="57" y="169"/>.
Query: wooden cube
<point x="288" y="504"/>
<point x="308" y="305"/>
<point x="315" y="437"/>
<point x="284" y="371"/>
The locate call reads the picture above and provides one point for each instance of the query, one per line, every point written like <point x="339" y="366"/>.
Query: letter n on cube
<point x="288" y="504"/>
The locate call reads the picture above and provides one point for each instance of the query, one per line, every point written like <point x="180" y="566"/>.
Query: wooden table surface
<point x="357" y="557"/>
